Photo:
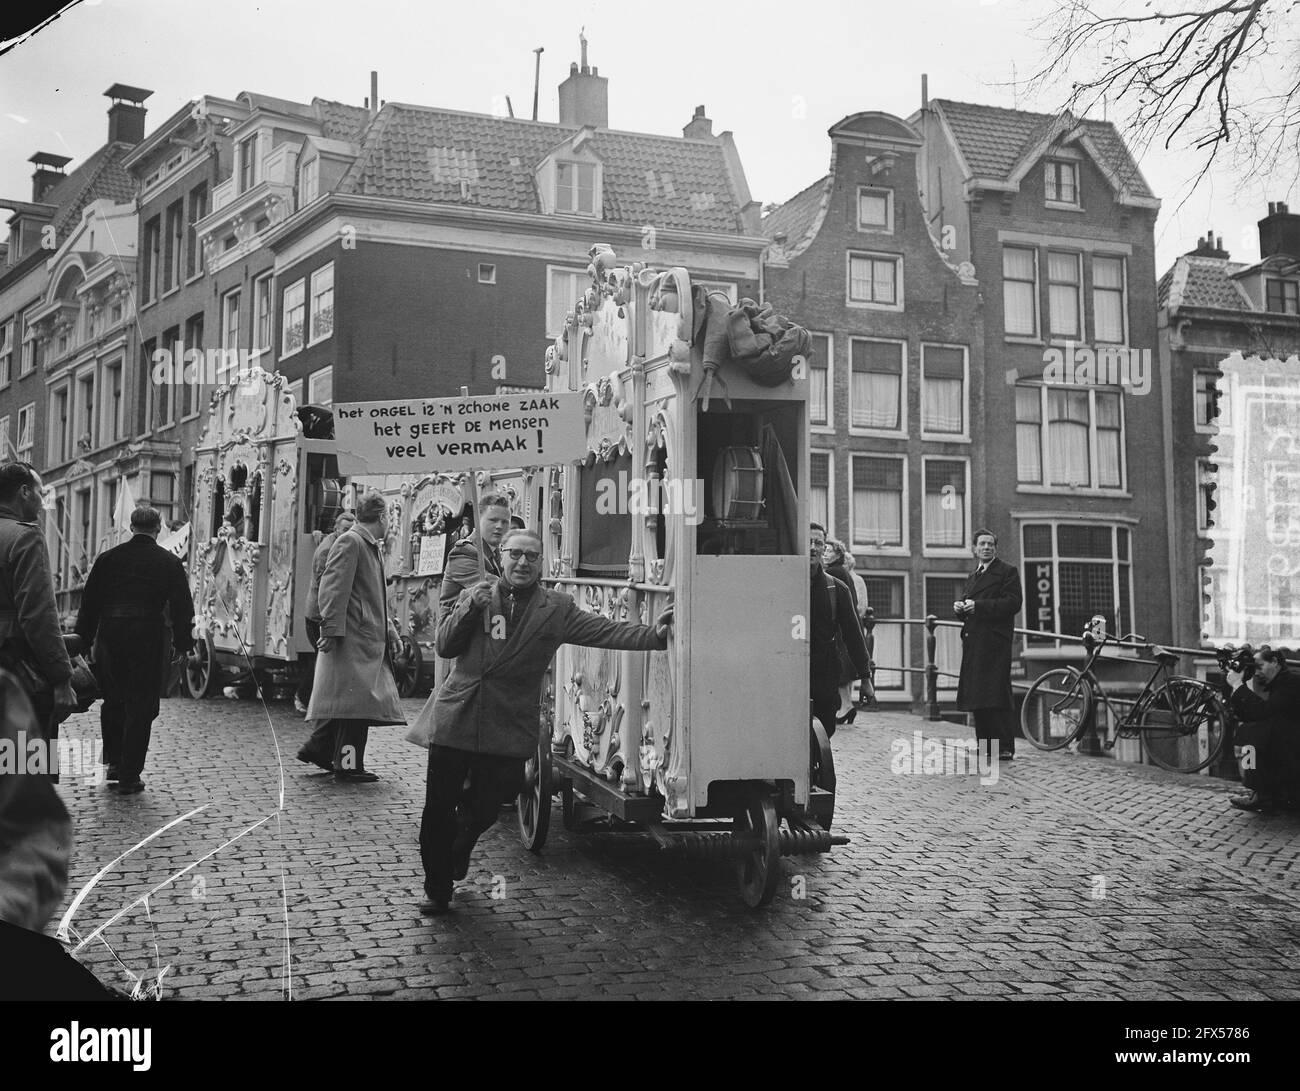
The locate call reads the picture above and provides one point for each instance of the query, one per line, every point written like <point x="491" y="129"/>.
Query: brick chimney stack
<point x="126" y="115"/>
<point x="584" y="96"/>
<point x="1209" y="247"/>
<point x="699" y="127"/>
<point x="48" y="173"/>
<point x="1279" y="232"/>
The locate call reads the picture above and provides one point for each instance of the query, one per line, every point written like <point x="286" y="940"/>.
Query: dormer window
<point x="1282" y="296"/>
<point x="308" y="181"/>
<point x="575" y="188"/>
<point x="248" y="163"/>
<point x="1061" y="182"/>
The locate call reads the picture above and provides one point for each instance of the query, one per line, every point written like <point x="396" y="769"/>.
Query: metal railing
<point x="931" y="670"/>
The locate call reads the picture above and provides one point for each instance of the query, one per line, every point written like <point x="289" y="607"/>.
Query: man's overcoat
<point x="986" y="637"/>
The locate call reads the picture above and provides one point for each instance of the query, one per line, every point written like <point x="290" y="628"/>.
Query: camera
<point x="1237" y="659"/>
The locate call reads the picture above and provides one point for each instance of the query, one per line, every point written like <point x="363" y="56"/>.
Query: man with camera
<point x="1269" y="711"/>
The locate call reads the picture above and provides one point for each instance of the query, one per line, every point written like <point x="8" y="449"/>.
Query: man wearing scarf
<point x="483" y="720"/>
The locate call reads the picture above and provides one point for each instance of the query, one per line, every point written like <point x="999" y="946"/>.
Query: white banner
<point x="481" y="433"/>
<point x="178" y="542"/>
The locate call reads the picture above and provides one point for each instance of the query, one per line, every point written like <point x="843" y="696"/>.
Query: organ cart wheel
<point x="200" y="669"/>
<point x="822" y="769"/>
<point x="407" y="665"/>
<point x="535" y="798"/>
<point x="759" y="871"/>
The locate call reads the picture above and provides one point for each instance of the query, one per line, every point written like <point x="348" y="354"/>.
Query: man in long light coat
<point x="485" y="715"/>
<point x="354" y="687"/>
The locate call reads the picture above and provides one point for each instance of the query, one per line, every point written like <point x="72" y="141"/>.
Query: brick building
<point x="1054" y="215"/>
<point x="897" y="383"/>
<point x="1233" y="508"/>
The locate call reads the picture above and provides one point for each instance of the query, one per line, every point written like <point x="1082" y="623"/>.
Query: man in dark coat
<point x="29" y="618"/>
<point x="831" y="613"/>
<point x="987" y="609"/>
<point x="484" y="717"/>
<point x="122" y="614"/>
<point x="1271" y="729"/>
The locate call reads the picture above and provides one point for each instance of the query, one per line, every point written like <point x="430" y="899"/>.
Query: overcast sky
<point x="777" y="74"/>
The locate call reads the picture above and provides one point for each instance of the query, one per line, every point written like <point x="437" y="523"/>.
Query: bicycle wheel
<point x="1056" y="708"/>
<point x="1183" y="727"/>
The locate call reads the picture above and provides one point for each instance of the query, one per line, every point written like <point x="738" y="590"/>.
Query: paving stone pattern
<point x="1070" y="877"/>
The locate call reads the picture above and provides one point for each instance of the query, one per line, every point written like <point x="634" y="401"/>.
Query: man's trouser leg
<point x="350" y="746"/>
<point x="995" y="724"/>
<point x="444" y="784"/>
<point x="826" y="704"/>
<point x="307" y="662"/>
<point x="135" y="648"/>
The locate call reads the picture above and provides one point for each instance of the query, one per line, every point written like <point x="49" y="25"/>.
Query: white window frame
<point x="877" y="229"/>
<point x="1123" y="297"/>
<point x="309" y="181"/>
<point x="1090" y="489"/>
<point x="110" y="424"/>
<point x="962" y="549"/>
<point x="901" y="430"/>
<point x="904" y="691"/>
<point x="1077" y="284"/>
<point x="943" y="684"/>
<point x="1027" y="563"/>
<point x="871" y="548"/>
<point x="295" y="388"/>
<point x="1008" y="334"/>
<point x="299" y="285"/>
<point x="551" y="272"/>
<point x="61" y="431"/>
<point x="1198" y="375"/>
<point x="948" y="437"/>
<point x="830" y="488"/>
<point x="86" y="376"/>
<point x="263" y="292"/>
<point x="314" y="378"/>
<point x="1286" y="282"/>
<point x="24" y="450"/>
<point x="827" y="428"/>
<point x="224" y="337"/>
<point x="869" y="304"/>
<point x="578" y="165"/>
<point x="1051" y="182"/>
<point x="314" y="294"/>
<point x="7" y="352"/>
<point x="5" y="438"/>
<point x="246" y="169"/>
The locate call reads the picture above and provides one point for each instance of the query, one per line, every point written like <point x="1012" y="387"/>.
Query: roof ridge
<point x="820" y="182"/>
<point x="599" y="129"/>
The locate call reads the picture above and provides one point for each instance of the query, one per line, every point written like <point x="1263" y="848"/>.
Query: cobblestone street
<point x="1068" y="877"/>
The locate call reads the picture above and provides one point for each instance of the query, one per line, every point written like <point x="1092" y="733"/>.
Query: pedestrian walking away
<point x="354" y="688"/>
<point x="483" y="721"/>
<point x="987" y="610"/>
<point x="31" y="641"/>
<point x="132" y="592"/>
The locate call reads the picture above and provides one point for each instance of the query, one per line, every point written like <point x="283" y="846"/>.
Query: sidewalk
<point x="1069" y="876"/>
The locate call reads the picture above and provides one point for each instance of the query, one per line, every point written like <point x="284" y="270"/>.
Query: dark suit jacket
<point x="489" y="702"/>
<point x="461" y="571"/>
<point x="1271" y="724"/>
<point x="823" y="661"/>
<point x="143" y="575"/>
<point x="986" y="636"/>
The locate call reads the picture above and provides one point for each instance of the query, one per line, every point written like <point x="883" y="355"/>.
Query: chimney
<point x="126" y="115"/>
<point x="1279" y="232"/>
<point x="373" y="100"/>
<point x="699" y="127"/>
<point x="1209" y="247"/>
<point x="48" y="173"/>
<point x="584" y="96"/>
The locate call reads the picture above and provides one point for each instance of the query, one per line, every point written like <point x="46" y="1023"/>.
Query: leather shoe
<point x="355" y="776"/>
<point x="110" y="774"/>
<point x="1251" y="801"/>
<point x="434" y="907"/>
<point x="130" y="787"/>
<point x="321" y="763"/>
<point x="1006" y="755"/>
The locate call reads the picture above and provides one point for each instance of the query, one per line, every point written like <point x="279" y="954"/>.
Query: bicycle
<point x="1182" y="722"/>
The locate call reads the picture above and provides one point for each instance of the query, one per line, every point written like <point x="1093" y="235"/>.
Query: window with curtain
<point x="1061" y="181"/>
<point x="940" y="593"/>
<point x="873" y="279"/>
<point x="819" y="498"/>
<point x="875" y="209"/>
<point x="1109" y="440"/>
<point x="878" y="500"/>
<point x="1029" y="435"/>
<point x="944" y="513"/>
<point x="819" y="380"/>
<point x="1063" y="279"/>
<point x="943" y="389"/>
<point x="1108" y="299"/>
<point x="563" y="287"/>
<point x="887" y="597"/>
<point x="1020" y="290"/>
<point x="876" y="390"/>
<point x="1067" y="436"/>
<point x="293" y="319"/>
